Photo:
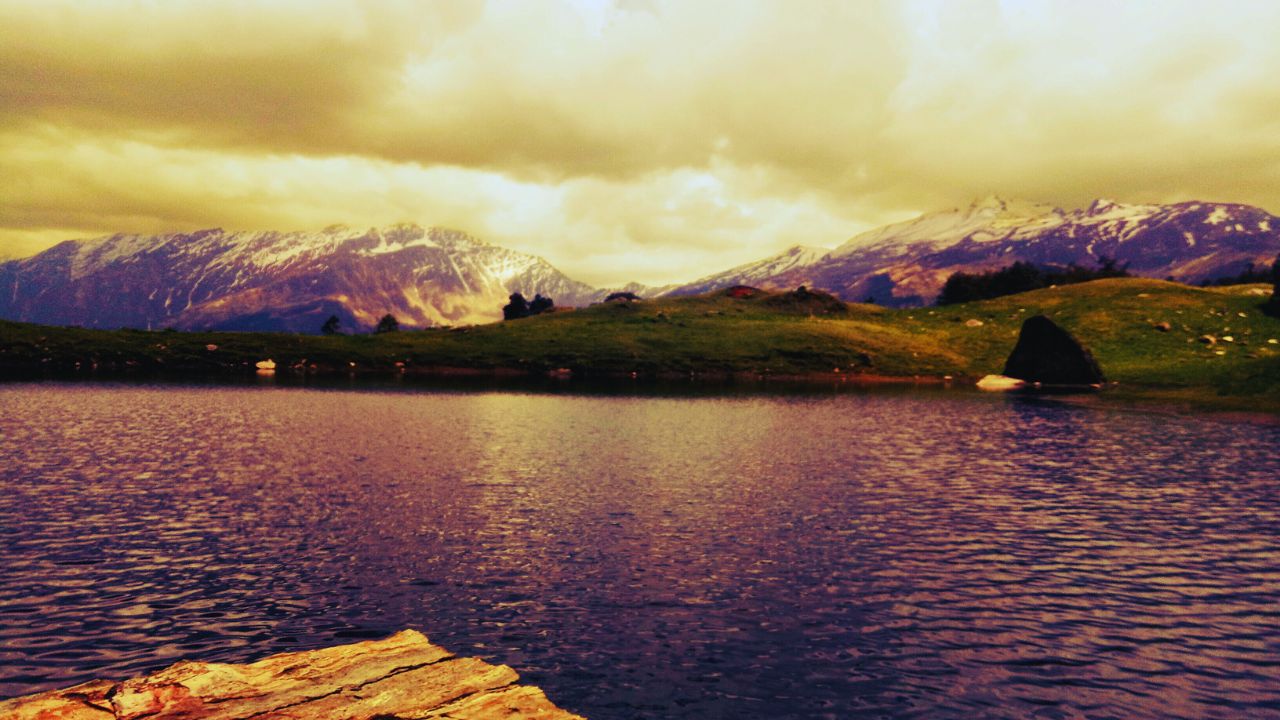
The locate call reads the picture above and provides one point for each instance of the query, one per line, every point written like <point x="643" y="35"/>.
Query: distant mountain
<point x="431" y="276"/>
<point x="277" y="281"/>
<point x="907" y="263"/>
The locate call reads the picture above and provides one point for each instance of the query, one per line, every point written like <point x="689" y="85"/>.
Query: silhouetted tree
<point x="1020" y="277"/>
<point x="622" y="296"/>
<point x="516" y="309"/>
<point x="521" y="308"/>
<point x="330" y="326"/>
<point x="387" y="324"/>
<point x="540" y="305"/>
<point x="1109" y="267"/>
<point x="1251" y="274"/>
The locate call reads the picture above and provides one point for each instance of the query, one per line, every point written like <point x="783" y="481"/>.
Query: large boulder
<point x="1047" y="354"/>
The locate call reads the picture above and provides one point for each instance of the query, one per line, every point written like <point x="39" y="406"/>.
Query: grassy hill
<point x="774" y="334"/>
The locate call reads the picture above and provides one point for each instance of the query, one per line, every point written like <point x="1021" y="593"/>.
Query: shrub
<point x="540" y="305"/>
<point x="1019" y="277"/>
<point x="521" y="308"/>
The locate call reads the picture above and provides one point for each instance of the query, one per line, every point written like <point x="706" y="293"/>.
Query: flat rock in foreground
<point x="403" y="676"/>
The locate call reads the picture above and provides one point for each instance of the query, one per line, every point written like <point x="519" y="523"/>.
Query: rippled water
<point x="836" y="556"/>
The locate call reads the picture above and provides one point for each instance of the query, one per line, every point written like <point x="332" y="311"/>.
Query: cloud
<point x="662" y="139"/>
<point x="668" y="225"/>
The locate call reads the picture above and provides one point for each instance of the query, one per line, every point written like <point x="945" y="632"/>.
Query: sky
<point x="621" y="139"/>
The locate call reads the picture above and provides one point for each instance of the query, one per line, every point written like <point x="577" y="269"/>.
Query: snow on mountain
<point x="277" y="281"/>
<point x="907" y="263"/>
<point x="759" y="273"/>
<point x="433" y="276"/>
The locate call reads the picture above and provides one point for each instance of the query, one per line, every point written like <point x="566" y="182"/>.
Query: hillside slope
<point x="765" y="335"/>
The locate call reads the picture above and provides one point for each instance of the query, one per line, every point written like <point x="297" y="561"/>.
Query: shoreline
<point x="1115" y="396"/>
<point x="1157" y="341"/>
<point x="242" y="369"/>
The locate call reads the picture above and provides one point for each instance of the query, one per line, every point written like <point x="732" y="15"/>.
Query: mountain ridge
<point x="269" y="280"/>
<point x="907" y="263"/>
<point x="429" y="276"/>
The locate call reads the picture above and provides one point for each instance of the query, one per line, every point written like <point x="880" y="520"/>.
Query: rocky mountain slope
<point x="907" y="263"/>
<point x="277" y="281"/>
<point x="430" y="276"/>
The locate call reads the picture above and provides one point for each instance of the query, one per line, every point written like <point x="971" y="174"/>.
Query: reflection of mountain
<point x="276" y="281"/>
<point x="907" y="263"/>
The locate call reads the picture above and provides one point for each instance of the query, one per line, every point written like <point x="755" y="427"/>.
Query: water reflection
<point x="842" y="556"/>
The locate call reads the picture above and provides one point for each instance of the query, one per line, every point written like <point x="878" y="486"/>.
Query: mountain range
<point x="907" y="263"/>
<point x="214" y="279"/>
<point x="277" y="281"/>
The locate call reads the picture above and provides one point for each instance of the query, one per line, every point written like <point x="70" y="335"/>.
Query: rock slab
<point x="403" y="677"/>
<point x="1049" y="355"/>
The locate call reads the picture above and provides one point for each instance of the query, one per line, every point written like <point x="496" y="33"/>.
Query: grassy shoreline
<point x="717" y="338"/>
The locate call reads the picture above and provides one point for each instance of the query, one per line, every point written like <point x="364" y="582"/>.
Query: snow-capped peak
<point x="989" y="202"/>
<point x="1102" y="205"/>
<point x="907" y="262"/>
<point x="273" y="280"/>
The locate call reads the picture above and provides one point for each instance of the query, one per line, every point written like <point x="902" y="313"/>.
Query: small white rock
<point x="1000" y="383"/>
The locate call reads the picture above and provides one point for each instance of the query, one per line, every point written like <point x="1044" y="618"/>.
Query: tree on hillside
<point x="330" y="326"/>
<point x="1251" y="274"/>
<point x="387" y="324"/>
<point x="1021" y="277"/>
<point x="540" y="305"/>
<point x="516" y="309"/>
<point x="521" y="308"/>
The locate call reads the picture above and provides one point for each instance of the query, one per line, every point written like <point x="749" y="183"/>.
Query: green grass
<point x="767" y="334"/>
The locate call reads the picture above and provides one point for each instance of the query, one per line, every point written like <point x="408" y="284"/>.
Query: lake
<point x="850" y="555"/>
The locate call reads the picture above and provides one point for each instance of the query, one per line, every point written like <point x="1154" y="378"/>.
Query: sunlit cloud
<point x="655" y="141"/>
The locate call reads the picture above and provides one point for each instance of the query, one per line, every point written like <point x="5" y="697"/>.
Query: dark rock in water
<point x="1047" y="354"/>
